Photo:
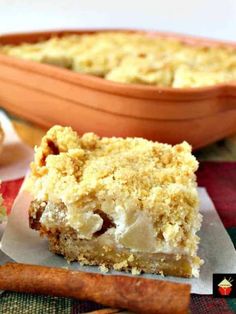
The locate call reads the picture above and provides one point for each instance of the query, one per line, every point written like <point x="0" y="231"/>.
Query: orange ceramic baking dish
<point x="50" y="95"/>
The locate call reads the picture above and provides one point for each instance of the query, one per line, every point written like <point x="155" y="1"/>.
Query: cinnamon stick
<point x="132" y="293"/>
<point x="104" y="311"/>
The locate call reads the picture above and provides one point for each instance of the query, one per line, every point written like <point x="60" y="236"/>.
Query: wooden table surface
<point x="224" y="150"/>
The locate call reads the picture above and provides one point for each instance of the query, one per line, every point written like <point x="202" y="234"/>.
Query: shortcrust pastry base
<point x="94" y="253"/>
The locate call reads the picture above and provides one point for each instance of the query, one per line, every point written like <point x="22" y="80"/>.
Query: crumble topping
<point x="135" y="271"/>
<point x="103" y="268"/>
<point x="136" y="58"/>
<point x="121" y="265"/>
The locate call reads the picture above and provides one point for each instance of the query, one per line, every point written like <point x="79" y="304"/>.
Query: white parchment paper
<point x="25" y="245"/>
<point x="16" y="156"/>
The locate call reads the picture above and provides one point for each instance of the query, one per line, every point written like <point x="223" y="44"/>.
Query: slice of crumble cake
<point x="122" y="203"/>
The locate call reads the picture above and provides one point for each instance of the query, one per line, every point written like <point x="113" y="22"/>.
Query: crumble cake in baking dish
<point x="134" y="58"/>
<point x="122" y="203"/>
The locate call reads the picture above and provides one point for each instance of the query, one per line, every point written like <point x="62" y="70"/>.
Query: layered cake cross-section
<point x="122" y="203"/>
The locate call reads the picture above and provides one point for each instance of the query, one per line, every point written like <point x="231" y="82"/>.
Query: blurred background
<point x="209" y="18"/>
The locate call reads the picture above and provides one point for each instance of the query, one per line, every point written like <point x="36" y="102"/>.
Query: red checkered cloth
<point x="219" y="178"/>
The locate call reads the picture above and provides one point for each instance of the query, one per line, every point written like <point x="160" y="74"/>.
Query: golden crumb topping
<point x="137" y="58"/>
<point x="134" y="165"/>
